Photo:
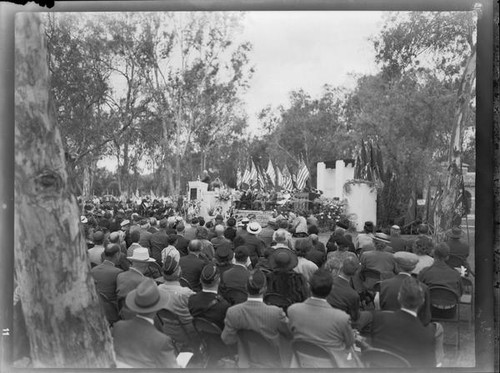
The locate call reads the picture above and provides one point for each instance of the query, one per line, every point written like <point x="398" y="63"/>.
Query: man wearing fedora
<point x="128" y="280"/>
<point x="223" y="257"/>
<point x="365" y="238"/>
<point x="457" y="246"/>
<point x="396" y="241"/>
<point x="95" y="253"/>
<point x="251" y="240"/>
<point x="137" y="342"/>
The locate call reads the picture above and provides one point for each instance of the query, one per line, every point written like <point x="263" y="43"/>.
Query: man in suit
<point x="402" y="332"/>
<point x="237" y="276"/>
<point x="396" y="241"/>
<point x="208" y="304"/>
<point x="219" y="238"/>
<point x="457" y="246"/>
<point x="182" y="242"/>
<point x="253" y="314"/>
<point x="128" y="280"/>
<point x="251" y="240"/>
<point x="439" y="273"/>
<point x="137" y="343"/>
<point x="192" y="265"/>
<point x="105" y="275"/>
<point x="159" y="241"/>
<point x="317" y="321"/>
<point x="345" y="298"/>
<point x="386" y="298"/>
<point x="95" y="253"/>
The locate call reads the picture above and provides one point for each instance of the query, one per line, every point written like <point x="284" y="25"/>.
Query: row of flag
<point x="273" y="177"/>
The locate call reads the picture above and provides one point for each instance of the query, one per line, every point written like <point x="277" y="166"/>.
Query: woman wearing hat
<point x="283" y="279"/>
<point x="137" y="343"/>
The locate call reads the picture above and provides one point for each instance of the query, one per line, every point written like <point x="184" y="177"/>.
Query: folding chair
<point x="261" y="352"/>
<point x="170" y="324"/>
<point x="311" y="355"/>
<point x="278" y="300"/>
<point x="213" y="347"/>
<point x="445" y="307"/>
<point x="380" y="358"/>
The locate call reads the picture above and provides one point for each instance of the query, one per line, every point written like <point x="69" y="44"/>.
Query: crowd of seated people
<point x="354" y="294"/>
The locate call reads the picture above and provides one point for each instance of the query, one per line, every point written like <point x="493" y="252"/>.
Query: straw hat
<point x="141" y="254"/>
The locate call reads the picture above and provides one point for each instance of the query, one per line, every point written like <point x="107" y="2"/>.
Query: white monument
<point x="336" y="180"/>
<point x="210" y="204"/>
<point x="331" y="177"/>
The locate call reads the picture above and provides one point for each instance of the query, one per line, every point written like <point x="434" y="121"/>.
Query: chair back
<point x="235" y="296"/>
<point x="210" y="335"/>
<point x="380" y="358"/>
<point x="442" y="296"/>
<point x="261" y="352"/>
<point x="311" y="355"/>
<point x="278" y="300"/>
<point x="169" y="323"/>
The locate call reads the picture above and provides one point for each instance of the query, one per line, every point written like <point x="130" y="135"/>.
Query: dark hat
<point x="146" y="298"/>
<point x="256" y="280"/>
<point x="406" y="259"/>
<point x="231" y="222"/>
<point x="342" y="225"/>
<point x="209" y="274"/>
<point x="455" y="232"/>
<point x="241" y="253"/>
<point x="283" y="259"/>
<point x="224" y="252"/>
<point x="368" y="226"/>
<point x="219" y="217"/>
<point x="98" y="236"/>
<point x="382" y="237"/>
<point x="170" y="266"/>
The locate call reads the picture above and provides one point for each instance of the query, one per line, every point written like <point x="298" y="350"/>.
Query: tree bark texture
<point x="65" y="323"/>
<point x="449" y="207"/>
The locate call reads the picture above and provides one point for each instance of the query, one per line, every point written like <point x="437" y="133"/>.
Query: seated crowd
<point x="162" y="281"/>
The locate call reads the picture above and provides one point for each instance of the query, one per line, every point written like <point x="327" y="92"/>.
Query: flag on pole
<point x="287" y="179"/>
<point x="239" y="178"/>
<point x="364" y="160"/>
<point x="152" y="195"/>
<point x="357" y="168"/>
<point x="279" y="177"/>
<point x="253" y="175"/>
<point x="270" y="172"/>
<point x="261" y="179"/>
<point x="302" y="175"/>
<point x="245" y="179"/>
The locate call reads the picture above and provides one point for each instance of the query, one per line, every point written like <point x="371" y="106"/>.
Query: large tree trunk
<point x="449" y="208"/>
<point x="65" y="323"/>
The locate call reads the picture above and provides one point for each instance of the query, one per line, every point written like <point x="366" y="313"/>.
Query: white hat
<point x="254" y="228"/>
<point x="141" y="254"/>
<point x="124" y="223"/>
<point x="83" y="219"/>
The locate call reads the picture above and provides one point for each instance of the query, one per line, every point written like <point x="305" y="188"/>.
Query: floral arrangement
<point x="224" y="195"/>
<point x="330" y="211"/>
<point x="194" y="208"/>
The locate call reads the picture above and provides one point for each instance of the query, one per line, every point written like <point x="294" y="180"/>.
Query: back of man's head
<point x="350" y="266"/>
<point x="321" y="283"/>
<point x="219" y="230"/>
<point x="180" y="227"/>
<point x="280" y="236"/>
<point x="411" y="294"/>
<point x="135" y="236"/>
<point x="256" y="283"/>
<point x="195" y="246"/>
<point x="111" y="250"/>
<point x="241" y="254"/>
<point x="303" y="246"/>
<point x="442" y="251"/>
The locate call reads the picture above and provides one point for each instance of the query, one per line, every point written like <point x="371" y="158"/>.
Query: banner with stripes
<point x="239" y="178"/>
<point x="279" y="177"/>
<point x="287" y="179"/>
<point x="245" y="179"/>
<point x="253" y="176"/>
<point x="302" y="175"/>
<point x="270" y="172"/>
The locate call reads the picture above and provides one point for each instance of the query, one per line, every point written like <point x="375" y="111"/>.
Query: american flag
<point x="239" y="178"/>
<point x="253" y="176"/>
<point x="279" y="177"/>
<point x="287" y="179"/>
<point x="245" y="179"/>
<point x="302" y="175"/>
<point x="270" y="172"/>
